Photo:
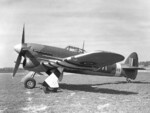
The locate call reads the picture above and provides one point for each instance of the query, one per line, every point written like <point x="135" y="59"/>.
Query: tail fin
<point x="132" y="60"/>
<point x="131" y="66"/>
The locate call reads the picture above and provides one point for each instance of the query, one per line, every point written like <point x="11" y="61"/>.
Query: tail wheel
<point x="30" y="83"/>
<point x="128" y="80"/>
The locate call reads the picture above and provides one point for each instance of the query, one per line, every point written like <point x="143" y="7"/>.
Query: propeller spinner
<point x="18" y="48"/>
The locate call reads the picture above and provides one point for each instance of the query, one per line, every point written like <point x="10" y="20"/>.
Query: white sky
<point x="121" y="26"/>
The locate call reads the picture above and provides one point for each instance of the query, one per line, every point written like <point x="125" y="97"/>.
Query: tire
<point x="30" y="83"/>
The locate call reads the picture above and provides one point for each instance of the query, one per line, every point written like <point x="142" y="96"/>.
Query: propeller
<point x="19" y="49"/>
<point x="23" y="35"/>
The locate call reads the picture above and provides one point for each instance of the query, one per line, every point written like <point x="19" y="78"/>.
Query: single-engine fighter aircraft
<point x="53" y="61"/>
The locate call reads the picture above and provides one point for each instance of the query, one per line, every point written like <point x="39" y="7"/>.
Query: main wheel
<point x="30" y="83"/>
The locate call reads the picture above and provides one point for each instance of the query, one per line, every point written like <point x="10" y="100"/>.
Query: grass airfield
<point x="78" y="94"/>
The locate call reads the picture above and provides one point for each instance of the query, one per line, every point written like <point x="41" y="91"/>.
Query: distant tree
<point x="9" y="70"/>
<point x="145" y="63"/>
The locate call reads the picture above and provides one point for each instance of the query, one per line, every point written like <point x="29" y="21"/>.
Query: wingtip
<point x="122" y="57"/>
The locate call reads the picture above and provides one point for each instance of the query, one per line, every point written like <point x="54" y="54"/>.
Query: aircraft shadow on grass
<point x="90" y="88"/>
<point x="140" y="82"/>
<point x="124" y="82"/>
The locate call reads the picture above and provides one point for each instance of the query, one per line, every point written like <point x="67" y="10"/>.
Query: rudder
<point x="131" y="61"/>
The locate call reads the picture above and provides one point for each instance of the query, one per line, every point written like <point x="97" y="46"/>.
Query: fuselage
<point x="43" y="52"/>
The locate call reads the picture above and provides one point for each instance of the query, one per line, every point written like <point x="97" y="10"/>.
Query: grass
<point x="78" y="94"/>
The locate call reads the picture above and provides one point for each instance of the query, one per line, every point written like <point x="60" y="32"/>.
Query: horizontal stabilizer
<point x="133" y="68"/>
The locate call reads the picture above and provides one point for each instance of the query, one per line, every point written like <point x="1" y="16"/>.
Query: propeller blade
<point x="23" y="35"/>
<point x="17" y="64"/>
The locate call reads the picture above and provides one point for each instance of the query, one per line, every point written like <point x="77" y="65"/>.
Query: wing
<point x="99" y="58"/>
<point x="87" y="61"/>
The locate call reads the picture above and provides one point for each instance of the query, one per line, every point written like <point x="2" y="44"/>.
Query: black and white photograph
<point x="74" y="56"/>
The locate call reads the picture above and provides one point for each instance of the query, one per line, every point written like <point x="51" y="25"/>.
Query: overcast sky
<point x="121" y="26"/>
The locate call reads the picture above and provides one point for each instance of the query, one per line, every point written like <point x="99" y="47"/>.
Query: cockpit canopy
<point x="75" y="49"/>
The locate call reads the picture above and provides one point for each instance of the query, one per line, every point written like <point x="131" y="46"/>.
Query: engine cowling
<point x="28" y="63"/>
<point x="32" y="64"/>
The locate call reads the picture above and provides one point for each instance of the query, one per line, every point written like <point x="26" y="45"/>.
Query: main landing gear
<point x="29" y="81"/>
<point x="46" y="88"/>
<point x="51" y="83"/>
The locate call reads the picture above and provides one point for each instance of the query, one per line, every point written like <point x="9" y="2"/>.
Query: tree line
<point x="10" y="70"/>
<point x="144" y="63"/>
